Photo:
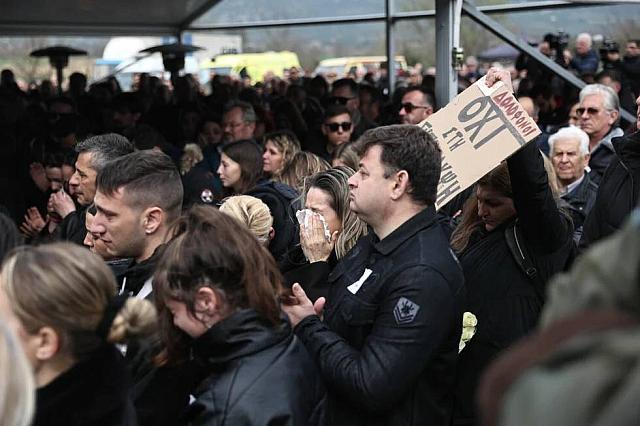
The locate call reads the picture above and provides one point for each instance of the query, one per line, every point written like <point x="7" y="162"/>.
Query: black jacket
<point x="603" y="155"/>
<point x="387" y="349"/>
<point x="618" y="192"/>
<point x="258" y="374"/>
<point x="581" y="200"/>
<point x="93" y="392"/>
<point x="73" y="227"/>
<point x="506" y="302"/>
<point x="313" y="277"/>
<point x="160" y="394"/>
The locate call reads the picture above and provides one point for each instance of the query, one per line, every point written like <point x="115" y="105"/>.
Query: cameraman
<point x="586" y="59"/>
<point x="610" y="56"/>
<point x="631" y="67"/>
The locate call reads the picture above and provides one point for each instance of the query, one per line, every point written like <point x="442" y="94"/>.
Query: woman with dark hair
<point x="218" y="291"/>
<point x="240" y="166"/>
<point x="241" y="173"/>
<point x="511" y="239"/>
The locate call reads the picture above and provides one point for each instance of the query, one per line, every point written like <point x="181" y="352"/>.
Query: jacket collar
<point x="241" y="334"/>
<point x="405" y="231"/>
<point x="607" y="141"/>
<point x="628" y="148"/>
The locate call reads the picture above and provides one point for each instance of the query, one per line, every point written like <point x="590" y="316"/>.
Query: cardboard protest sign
<point x="476" y="131"/>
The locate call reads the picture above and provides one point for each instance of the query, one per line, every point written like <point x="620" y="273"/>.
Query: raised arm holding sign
<point x="477" y="130"/>
<point x="511" y="237"/>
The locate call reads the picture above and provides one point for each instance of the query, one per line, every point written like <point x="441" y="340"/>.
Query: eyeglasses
<point x="333" y="127"/>
<point x="232" y="125"/>
<point x="333" y="100"/>
<point x="408" y="107"/>
<point x="590" y="111"/>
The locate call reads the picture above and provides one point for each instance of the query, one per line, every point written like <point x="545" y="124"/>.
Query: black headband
<point x="110" y="312"/>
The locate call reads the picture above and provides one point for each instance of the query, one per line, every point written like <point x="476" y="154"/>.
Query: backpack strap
<point x="518" y="249"/>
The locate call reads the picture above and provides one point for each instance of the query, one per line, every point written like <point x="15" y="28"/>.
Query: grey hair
<point x="248" y="113"/>
<point x="585" y="36"/>
<point x="571" y="132"/>
<point x="104" y="148"/>
<point x="611" y="101"/>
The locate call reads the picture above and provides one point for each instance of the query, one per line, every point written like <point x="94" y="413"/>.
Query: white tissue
<point x="304" y="219"/>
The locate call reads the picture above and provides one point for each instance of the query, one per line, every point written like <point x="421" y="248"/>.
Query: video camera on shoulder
<point x="558" y="42"/>
<point x="608" y="46"/>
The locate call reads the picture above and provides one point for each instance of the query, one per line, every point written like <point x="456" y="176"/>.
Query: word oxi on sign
<point x="476" y="131"/>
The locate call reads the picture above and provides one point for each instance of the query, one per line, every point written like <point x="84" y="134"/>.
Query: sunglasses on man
<point x="333" y="127"/>
<point x="409" y="107"/>
<point x="590" y="111"/>
<point x="335" y="100"/>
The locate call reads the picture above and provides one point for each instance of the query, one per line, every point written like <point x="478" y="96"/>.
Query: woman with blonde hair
<point x="252" y="213"/>
<point x="345" y="155"/>
<point x="279" y="149"/>
<point x="328" y="229"/>
<point x="17" y="391"/>
<point x="62" y="302"/>
<point x="302" y="165"/>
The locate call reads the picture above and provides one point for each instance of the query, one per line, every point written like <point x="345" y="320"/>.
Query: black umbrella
<point x="172" y="56"/>
<point x="59" y="58"/>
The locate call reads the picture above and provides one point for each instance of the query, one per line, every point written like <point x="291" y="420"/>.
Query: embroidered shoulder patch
<point x="405" y="311"/>
<point x="206" y="196"/>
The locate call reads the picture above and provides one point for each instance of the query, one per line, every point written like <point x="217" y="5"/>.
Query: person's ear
<point x="613" y="117"/>
<point x="272" y="233"/>
<point x="47" y="343"/>
<point x="400" y="184"/>
<point x="207" y="305"/>
<point x="152" y="219"/>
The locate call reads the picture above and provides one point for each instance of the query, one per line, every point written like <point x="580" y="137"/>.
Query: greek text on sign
<point x="476" y="131"/>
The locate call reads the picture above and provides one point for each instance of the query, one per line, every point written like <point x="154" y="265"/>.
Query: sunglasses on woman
<point x="333" y="127"/>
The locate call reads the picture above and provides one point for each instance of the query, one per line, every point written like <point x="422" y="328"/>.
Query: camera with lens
<point x="608" y="46"/>
<point x="559" y="43"/>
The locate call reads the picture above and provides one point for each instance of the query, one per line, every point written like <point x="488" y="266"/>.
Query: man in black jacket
<point x="93" y="155"/>
<point x="619" y="190"/>
<point x="389" y="340"/>
<point x="138" y="197"/>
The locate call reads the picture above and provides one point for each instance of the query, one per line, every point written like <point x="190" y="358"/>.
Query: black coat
<point x="73" y="227"/>
<point x="618" y="192"/>
<point x="95" y="391"/>
<point x="505" y="301"/>
<point x="258" y="374"/>
<point x="387" y="349"/>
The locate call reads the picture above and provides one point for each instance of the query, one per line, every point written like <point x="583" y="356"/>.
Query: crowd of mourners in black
<point x="272" y="254"/>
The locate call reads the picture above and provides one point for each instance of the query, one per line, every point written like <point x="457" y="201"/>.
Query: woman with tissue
<point x="328" y="228"/>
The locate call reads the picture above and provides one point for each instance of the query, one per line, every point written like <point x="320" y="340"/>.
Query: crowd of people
<point x="273" y="255"/>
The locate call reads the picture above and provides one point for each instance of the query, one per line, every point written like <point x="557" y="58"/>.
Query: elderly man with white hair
<point x="569" y="152"/>
<point x="586" y="60"/>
